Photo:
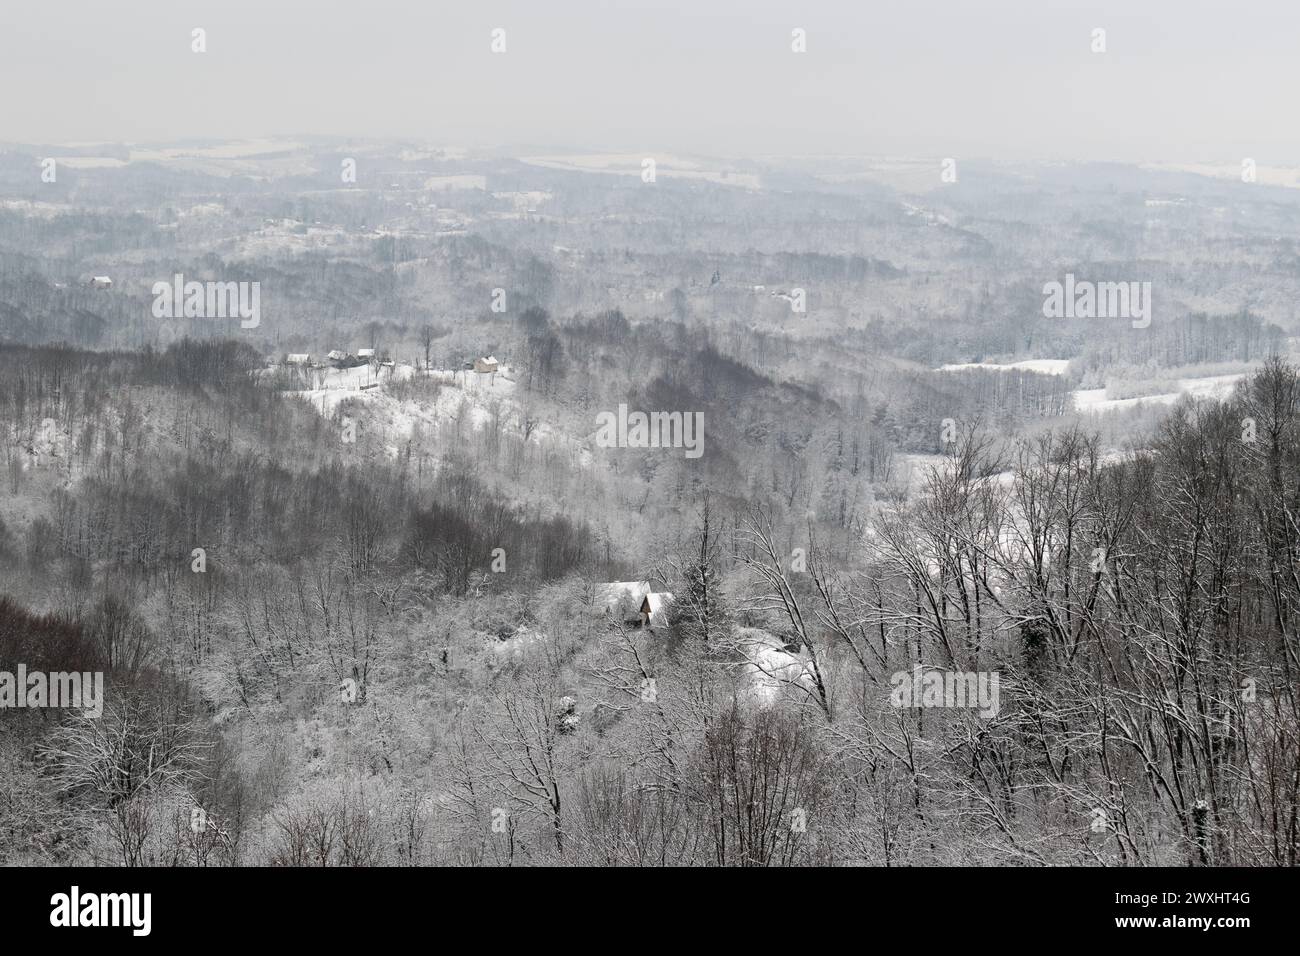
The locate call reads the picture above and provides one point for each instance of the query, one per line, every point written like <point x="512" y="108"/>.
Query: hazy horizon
<point x="1006" y="81"/>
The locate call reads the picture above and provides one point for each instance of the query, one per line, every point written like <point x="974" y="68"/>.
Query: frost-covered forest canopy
<point x="366" y="585"/>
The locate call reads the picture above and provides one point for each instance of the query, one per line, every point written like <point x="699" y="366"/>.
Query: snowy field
<point x="36" y="208"/>
<point x="769" y="669"/>
<point x="467" y="399"/>
<point x="256" y="157"/>
<point x="1267" y="175"/>
<point x="452" y="183"/>
<point x="1043" y="366"/>
<point x="1093" y="401"/>
<point x="330" y="386"/>
<point x="629" y="164"/>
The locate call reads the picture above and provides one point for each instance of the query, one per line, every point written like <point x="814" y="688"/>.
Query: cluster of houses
<point x="634" y="603"/>
<point x="341" y="359"/>
<point x="336" y="358"/>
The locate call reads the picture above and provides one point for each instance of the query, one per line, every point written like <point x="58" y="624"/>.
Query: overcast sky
<point x="1182" y="80"/>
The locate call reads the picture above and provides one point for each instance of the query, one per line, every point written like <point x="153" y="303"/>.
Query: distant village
<point x="331" y="370"/>
<point x="337" y="358"/>
<point x="341" y="359"/>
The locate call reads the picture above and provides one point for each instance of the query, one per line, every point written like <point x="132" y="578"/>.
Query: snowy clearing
<point x="1093" y="401"/>
<point x="769" y="667"/>
<point x="1042" y="366"/>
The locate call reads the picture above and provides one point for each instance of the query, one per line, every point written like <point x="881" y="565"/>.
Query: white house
<point x="654" y="609"/>
<point x="334" y="355"/>
<point x="622" y="600"/>
<point x="101" y="282"/>
<point x="366" y="354"/>
<point x="297" y="358"/>
<point x="489" y="364"/>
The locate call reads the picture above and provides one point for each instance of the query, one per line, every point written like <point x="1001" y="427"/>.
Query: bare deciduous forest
<point x="434" y="506"/>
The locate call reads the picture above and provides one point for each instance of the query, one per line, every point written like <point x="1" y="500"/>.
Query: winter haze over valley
<point x="739" y="474"/>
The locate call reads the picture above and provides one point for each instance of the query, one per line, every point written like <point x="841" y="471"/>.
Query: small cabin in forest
<point x="101" y="282"/>
<point x="654" y="609"/>
<point x="489" y="364"/>
<point x="634" y="603"/>
<point x="622" y="600"/>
